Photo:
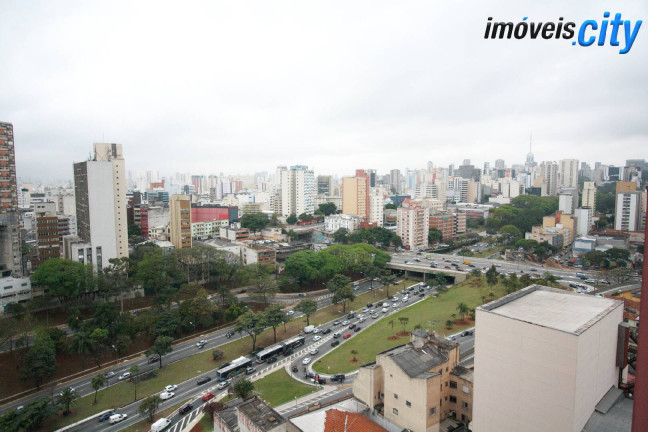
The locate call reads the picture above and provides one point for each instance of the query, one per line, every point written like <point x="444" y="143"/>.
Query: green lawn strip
<point x="145" y="426"/>
<point x="487" y="252"/>
<point x="194" y="365"/>
<point x="374" y="339"/>
<point x="206" y="423"/>
<point x="278" y="388"/>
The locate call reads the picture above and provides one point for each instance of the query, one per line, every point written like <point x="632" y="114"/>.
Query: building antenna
<point x="530" y="141"/>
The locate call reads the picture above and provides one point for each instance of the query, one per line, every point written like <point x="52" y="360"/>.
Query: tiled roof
<point x="343" y="421"/>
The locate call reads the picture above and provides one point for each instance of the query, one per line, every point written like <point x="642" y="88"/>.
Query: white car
<point x="345" y="323"/>
<point x="223" y="385"/>
<point x="314" y="351"/>
<point x="201" y="343"/>
<point x="395" y="305"/>
<point x="109" y="374"/>
<point x="316" y="338"/>
<point x="316" y="330"/>
<point x="124" y="376"/>
<point x="116" y="418"/>
<point x="385" y="310"/>
<point x="166" y="395"/>
<point x="170" y="388"/>
<point x="306" y="361"/>
<point x="290" y="312"/>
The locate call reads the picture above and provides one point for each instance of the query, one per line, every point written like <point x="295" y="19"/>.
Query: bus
<point x="293" y="343"/>
<point x="233" y="368"/>
<point x="269" y="352"/>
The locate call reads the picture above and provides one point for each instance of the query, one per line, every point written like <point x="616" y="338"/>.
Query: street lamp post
<point x="116" y="364"/>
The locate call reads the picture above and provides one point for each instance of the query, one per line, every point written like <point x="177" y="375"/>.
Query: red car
<point x="208" y="396"/>
<point x="346" y="335"/>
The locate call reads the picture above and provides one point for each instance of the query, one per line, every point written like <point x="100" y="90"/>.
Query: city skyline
<point x="192" y="89"/>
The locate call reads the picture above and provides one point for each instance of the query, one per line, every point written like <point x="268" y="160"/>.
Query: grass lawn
<point x="194" y="365"/>
<point x="278" y="388"/>
<point x="374" y="339"/>
<point x="487" y="252"/>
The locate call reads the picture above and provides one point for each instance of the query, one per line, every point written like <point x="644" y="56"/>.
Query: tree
<point x="274" y="317"/>
<point x="261" y="277"/>
<point x="403" y="322"/>
<point x="343" y="295"/>
<point x="448" y="324"/>
<point x="99" y="339"/>
<point x="217" y="354"/>
<point x="491" y="276"/>
<point x="307" y="307"/>
<point x="115" y="277"/>
<point x="66" y="279"/>
<point x="463" y="309"/>
<point x="255" y="221"/>
<point x="213" y="407"/>
<point x="391" y="323"/>
<point x="338" y="281"/>
<point x="97" y="382"/>
<point x="510" y="233"/>
<point x="476" y="273"/>
<point x="30" y="418"/>
<point x="595" y="257"/>
<point x="435" y="235"/>
<point x="341" y="236"/>
<point x="243" y="388"/>
<point x="327" y="208"/>
<point x="81" y="344"/>
<point x="40" y="363"/>
<point x="134" y="370"/>
<point x="391" y="207"/>
<point x="616" y="254"/>
<point x="305" y="217"/>
<point x="291" y="220"/>
<point x="66" y="398"/>
<point x="372" y="272"/>
<point x="161" y="347"/>
<point x="354" y="353"/>
<point x="149" y="407"/>
<point x="387" y="280"/>
<point x="251" y="323"/>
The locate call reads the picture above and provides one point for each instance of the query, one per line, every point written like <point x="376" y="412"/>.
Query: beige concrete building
<point x="412" y="225"/>
<point x="589" y="196"/>
<point x="417" y="385"/>
<point x="543" y="359"/>
<point x="180" y="225"/>
<point x="355" y="195"/>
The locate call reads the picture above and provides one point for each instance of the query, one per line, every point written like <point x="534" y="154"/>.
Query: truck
<point x="160" y="425"/>
<point x="309" y="329"/>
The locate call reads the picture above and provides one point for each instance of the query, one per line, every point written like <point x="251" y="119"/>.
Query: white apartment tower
<point x="297" y="191"/>
<point x="413" y="226"/>
<point x="100" y="194"/>
<point x="627" y="215"/>
<point x="569" y="173"/>
<point x="377" y="207"/>
<point x="589" y="196"/>
<point x="549" y="173"/>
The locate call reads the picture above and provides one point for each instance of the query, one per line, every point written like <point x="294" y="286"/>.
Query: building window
<point x="464" y="404"/>
<point x="432" y="411"/>
<point x="453" y="399"/>
<point x="395" y="411"/>
<point x="453" y="384"/>
<point x="408" y="403"/>
<point x="395" y="396"/>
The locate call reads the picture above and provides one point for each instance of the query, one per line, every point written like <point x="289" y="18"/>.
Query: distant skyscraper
<point x="10" y="255"/>
<point x="589" y="196"/>
<point x="568" y="171"/>
<point x="324" y="184"/>
<point x="549" y="172"/>
<point x="372" y="177"/>
<point x="297" y="191"/>
<point x="395" y="181"/>
<point x="500" y="164"/>
<point x="627" y="216"/>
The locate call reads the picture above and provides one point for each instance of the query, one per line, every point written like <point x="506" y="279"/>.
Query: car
<point x="338" y="377"/>
<point x="271" y="360"/>
<point x="385" y="310"/>
<point x="363" y="310"/>
<point x="207" y="396"/>
<point x="336" y="323"/>
<point x="249" y="370"/>
<point x="125" y="375"/>
<point x="346" y="336"/>
<point x="314" y="351"/>
<point x="105" y="416"/>
<point x="395" y="305"/>
<point x="406" y="262"/>
<point x="185" y="409"/>
<point x="362" y="319"/>
<point x="301" y="295"/>
<point x="170" y="388"/>
<point x="357" y="329"/>
<point x="326" y="331"/>
<point x="116" y="418"/>
<point x="598" y="295"/>
<point x="295" y="368"/>
<point x="356" y="283"/>
<point x="345" y="323"/>
<point x="335" y="343"/>
<point x="337" y="335"/>
<point x="352" y="326"/>
<point x="316" y="338"/>
<point x="466" y="333"/>
<point x="154" y="358"/>
<point x="309" y="375"/>
<point x="321" y="380"/>
<point x="374" y="316"/>
<point x="421" y="295"/>
<point x="166" y="395"/>
<point x="290" y="312"/>
<point x="306" y="361"/>
<point x="203" y="380"/>
<point x="108" y="375"/>
<point x="223" y="385"/>
<point x="201" y="343"/>
<point x="369" y="305"/>
<point x="229" y="334"/>
<point x="316" y="330"/>
<point x="395" y="298"/>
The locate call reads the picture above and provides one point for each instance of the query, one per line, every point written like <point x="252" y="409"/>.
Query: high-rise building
<point x="544" y="359"/>
<point x="180" y="221"/>
<point x="395" y="181"/>
<point x="622" y="187"/>
<point x="627" y="215"/>
<point x="355" y="195"/>
<point x="100" y="193"/>
<point x="500" y="164"/>
<point x="549" y="173"/>
<point x="412" y="225"/>
<point x="297" y="191"/>
<point x="10" y="255"/>
<point x="568" y="171"/>
<point x="324" y="184"/>
<point x="589" y="196"/>
<point x="372" y="177"/>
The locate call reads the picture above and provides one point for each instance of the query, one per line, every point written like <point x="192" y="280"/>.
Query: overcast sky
<point x="240" y="87"/>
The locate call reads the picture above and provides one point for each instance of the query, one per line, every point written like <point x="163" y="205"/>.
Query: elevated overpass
<point x="423" y="271"/>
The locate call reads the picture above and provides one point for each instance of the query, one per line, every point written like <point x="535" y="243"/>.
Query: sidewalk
<point x="305" y="400"/>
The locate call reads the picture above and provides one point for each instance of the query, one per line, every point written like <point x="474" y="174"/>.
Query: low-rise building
<point x="255" y="253"/>
<point x="450" y="224"/>
<point x="204" y="230"/>
<point x="417" y="385"/>
<point x="234" y="234"/>
<point x="351" y="223"/>
<point x="13" y="290"/>
<point x="251" y="415"/>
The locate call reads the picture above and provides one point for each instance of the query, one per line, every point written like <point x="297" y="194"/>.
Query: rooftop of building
<point x="553" y="308"/>
<point x="261" y="414"/>
<point x="464" y="373"/>
<point x="343" y="421"/>
<point x="417" y="362"/>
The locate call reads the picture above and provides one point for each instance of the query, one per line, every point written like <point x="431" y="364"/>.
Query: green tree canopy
<point x="274" y="317"/>
<point x="255" y="221"/>
<point x="40" y="362"/>
<point x="66" y="279"/>
<point x="243" y="388"/>
<point x="307" y="307"/>
<point x="161" y="347"/>
<point x="149" y="407"/>
<point x="327" y="208"/>
<point x="251" y="323"/>
<point x="291" y="220"/>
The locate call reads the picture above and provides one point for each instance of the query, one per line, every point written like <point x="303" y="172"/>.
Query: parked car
<point x="203" y="380"/>
<point x="185" y="409"/>
<point x="105" y="416"/>
<point x="207" y="396"/>
<point x="335" y="343"/>
<point x="116" y="418"/>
